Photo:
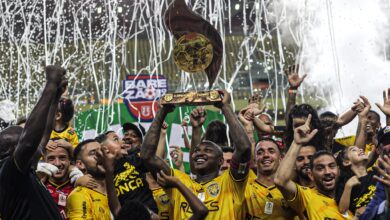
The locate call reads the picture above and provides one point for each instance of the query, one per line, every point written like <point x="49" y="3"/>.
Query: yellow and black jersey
<point x="315" y="205"/>
<point x="223" y="196"/>
<point x="85" y="203"/>
<point x="67" y="134"/>
<point x="163" y="203"/>
<point x="262" y="202"/>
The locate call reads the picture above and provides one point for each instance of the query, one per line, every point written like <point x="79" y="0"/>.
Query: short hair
<point x="226" y="149"/>
<point x="80" y="146"/>
<point x="319" y="154"/>
<point x="328" y="114"/>
<point x="9" y="139"/>
<point x="211" y="143"/>
<point x="270" y="140"/>
<point x="133" y="210"/>
<point x="377" y="115"/>
<point x="65" y="106"/>
<point x="216" y="132"/>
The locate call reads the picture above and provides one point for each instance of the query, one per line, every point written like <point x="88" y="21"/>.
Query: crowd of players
<point x="303" y="173"/>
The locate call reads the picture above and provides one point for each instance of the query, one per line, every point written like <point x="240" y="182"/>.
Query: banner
<point x="90" y="123"/>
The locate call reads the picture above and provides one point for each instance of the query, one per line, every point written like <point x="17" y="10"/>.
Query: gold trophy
<point x="198" y="49"/>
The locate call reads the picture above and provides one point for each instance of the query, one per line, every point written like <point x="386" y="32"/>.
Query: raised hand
<point x="367" y="106"/>
<point x="166" y="181"/>
<point x="198" y="117"/>
<point x="383" y="168"/>
<point x="385" y="108"/>
<point x="293" y="77"/>
<point x="353" y="181"/>
<point x="246" y="116"/>
<point x="226" y="99"/>
<point x="164" y="128"/>
<point x="303" y="134"/>
<point x="358" y="106"/>
<point x="54" y="74"/>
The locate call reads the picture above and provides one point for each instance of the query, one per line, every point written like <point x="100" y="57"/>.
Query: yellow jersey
<point x="67" y="134"/>
<point x="223" y="196"/>
<point x="85" y="203"/>
<point x="315" y="205"/>
<point x="350" y="141"/>
<point x="163" y="204"/>
<point x="265" y="202"/>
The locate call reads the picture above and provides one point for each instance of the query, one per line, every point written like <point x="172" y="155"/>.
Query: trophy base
<point x="191" y="98"/>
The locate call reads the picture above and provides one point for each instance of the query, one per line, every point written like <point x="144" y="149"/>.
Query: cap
<point x="384" y="135"/>
<point x="137" y="128"/>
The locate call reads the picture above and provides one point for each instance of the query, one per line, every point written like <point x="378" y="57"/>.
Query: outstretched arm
<point x="199" y="210"/>
<point x="349" y="115"/>
<point x="161" y="148"/>
<point x="242" y="153"/>
<point x="149" y="146"/>
<point x="361" y="133"/>
<point x="284" y="174"/>
<point x="294" y="81"/>
<point x="37" y="121"/>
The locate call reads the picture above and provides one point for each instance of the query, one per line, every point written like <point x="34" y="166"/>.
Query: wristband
<point x="292" y="91"/>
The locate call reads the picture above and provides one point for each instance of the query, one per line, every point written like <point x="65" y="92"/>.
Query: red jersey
<point x="60" y="194"/>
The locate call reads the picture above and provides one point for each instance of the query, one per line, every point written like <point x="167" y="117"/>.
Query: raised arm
<point x="184" y="125"/>
<point x="35" y="125"/>
<point x="361" y="133"/>
<point x="345" y="199"/>
<point x="349" y="115"/>
<point x="161" y="148"/>
<point x="149" y="146"/>
<point x="246" y="117"/>
<point x="108" y="163"/>
<point x="294" y="81"/>
<point x="197" y="119"/>
<point x="242" y="153"/>
<point x="385" y="108"/>
<point x="199" y="210"/>
<point x="284" y="174"/>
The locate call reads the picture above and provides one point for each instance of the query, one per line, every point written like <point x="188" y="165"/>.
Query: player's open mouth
<point x="266" y="162"/>
<point x="200" y="160"/>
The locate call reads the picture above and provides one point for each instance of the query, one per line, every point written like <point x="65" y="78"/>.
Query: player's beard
<point x="304" y="175"/>
<point x="96" y="172"/>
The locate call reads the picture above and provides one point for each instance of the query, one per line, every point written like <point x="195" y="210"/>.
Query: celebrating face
<point x="59" y="157"/>
<point x="91" y="160"/>
<point x="302" y="163"/>
<point x="207" y="158"/>
<point x="268" y="157"/>
<point x="325" y="173"/>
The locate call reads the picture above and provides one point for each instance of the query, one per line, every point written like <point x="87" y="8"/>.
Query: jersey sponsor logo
<point x="128" y="180"/>
<point x="213" y="189"/>
<point x="140" y="93"/>
<point x="164" y="199"/>
<point x="84" y="205"/>
<point x="212" y="207"/>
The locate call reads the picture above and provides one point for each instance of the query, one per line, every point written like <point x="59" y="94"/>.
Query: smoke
<point x="343" y="48"/>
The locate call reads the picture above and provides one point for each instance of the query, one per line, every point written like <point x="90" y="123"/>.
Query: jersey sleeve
<point x="78" y="207"/>
<point x="299" y="202"/>
<point x="237" y="187"/>
<point x="73" y="139"/>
